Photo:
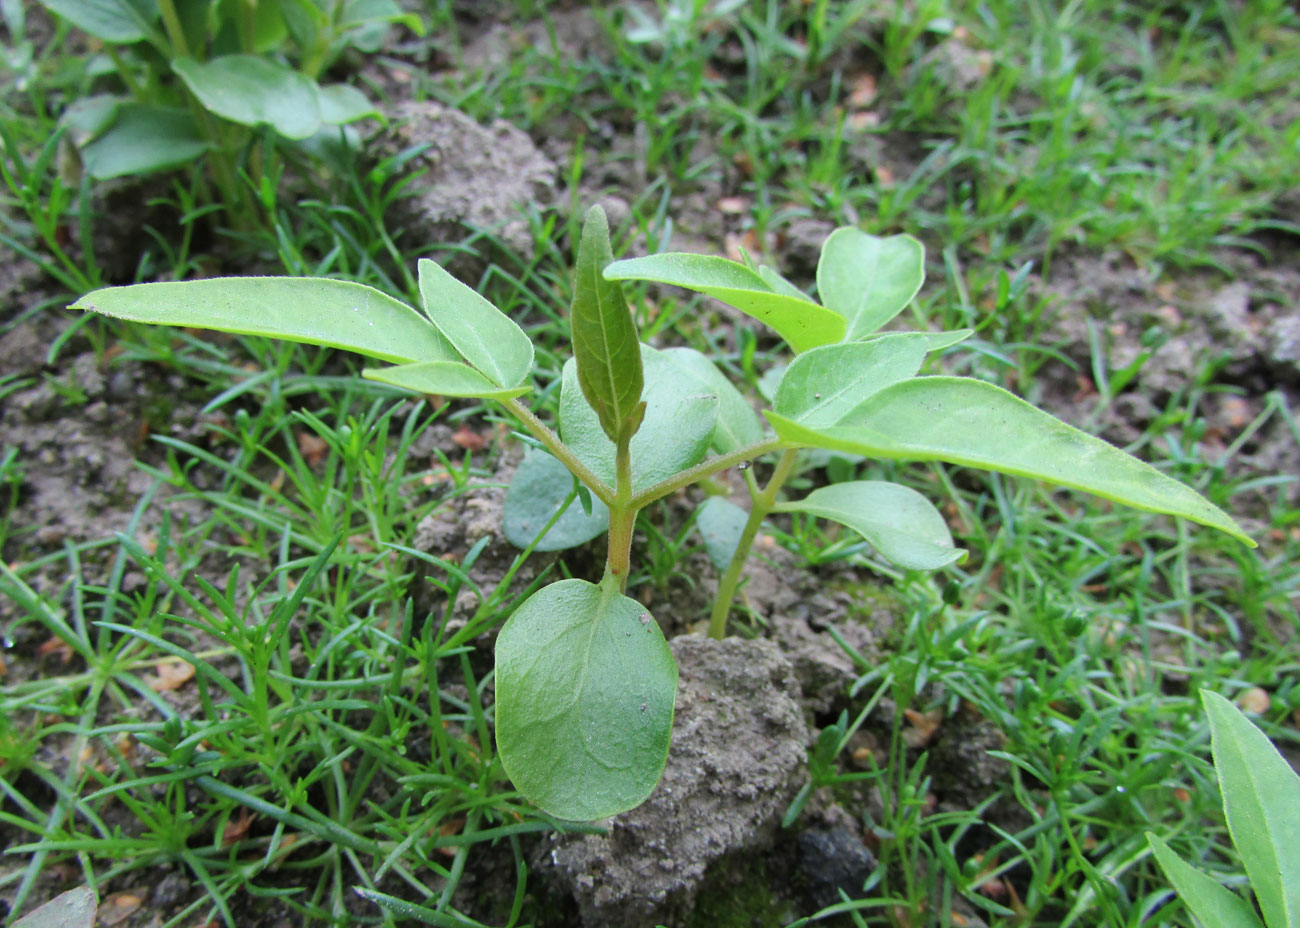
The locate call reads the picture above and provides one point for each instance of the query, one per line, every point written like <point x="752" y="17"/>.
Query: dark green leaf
<point x="335" y="313"/>
<point x="738" y="425"/>
<point x="976" y="424"/>
<point x="867" y="279"/>
<point x="485" y="336"/>
<point x="898" y="522"/>
<point x="1213" y="905"/>
<point x="801" y="322"/>
<point x="585" y="686"/>
<point x="1261" y="800"/>
<point x="142" y="139"/>
<point x="605" y="342"/>
<point x="675" y="434"/>
<point x="538" y="489"/>
<point x="253" y="91"/>
<point x="120" y="22"/>
<point x="823" y="386"/>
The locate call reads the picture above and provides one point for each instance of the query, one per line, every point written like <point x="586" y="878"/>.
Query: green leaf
<point x="898" y="522"/>
<point x="675" y="434"/>
<point x="1261" y="800"/>
<point x="538" y="489"/>
<point x="253" y="91"/>
<point x="119" y="22"/>
<point x="1213" y="905"/>
<point x="934" y="341"/>
<point x="142" y="139"/>
<point x="867" y="279"/>
<point x="976" y="424"/>
<point x="605" y="342"/>
<point x="776" y="282"/>
<point x="738" y="424"/>
<point x="334" y="313"/>
<point x="342" y="103"/>
<point x="404" y="909"/>
<point x="442" y="378"/>
<point x="76" y="908"/>
<point x="823" y="386"/>
<point x="798" y="320"/>
<point x="720" y="523"/>
<point x="585" y="687"/>
<point x="485" y="336"/>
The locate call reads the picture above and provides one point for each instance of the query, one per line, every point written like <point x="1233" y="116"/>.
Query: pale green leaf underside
<point x="976" y="424"/>
<point x="605" y="341"/>
<point x="75" y="908"/>
<point x="825" y="385"/>
<point x="442" y="378"/>
<point x="897" y="521"/>
<point x="253" y="90"/>
<point x="801" y="322"/>
<point x="720" y="523"/>
<point x="674" y="435"/>
<point x="485" y="336"/>
<point x="1213" y="905"/>
<point x="868" y="279"/>
<point x="585" y="691"/>
<point x="334" y="313"/>
<point x="1261" y="800"/>
<point x="934" y="341"/>
<point x="538" y="489"/>
<point x="738" y="424"/>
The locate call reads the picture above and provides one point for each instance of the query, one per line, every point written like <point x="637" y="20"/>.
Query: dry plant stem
<point x="763" y="503"/>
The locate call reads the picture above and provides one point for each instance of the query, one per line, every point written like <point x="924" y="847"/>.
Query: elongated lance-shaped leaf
<point x="586" y="687"/>
<point x="1214" y="905"/>
<point x="334" y="313"/>
<point x="442" y="378"/>
<point x="605" y="341"/>
<point x="1261" y="800"/>
<point x="977" y="424"/>
<point x="801" y="322"/>
<point x="485" y="336"/>
<point x="899" y="522"/>
<point x="868" y="279"/>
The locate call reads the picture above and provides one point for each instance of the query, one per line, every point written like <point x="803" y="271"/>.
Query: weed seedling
<point x="585" y="681"/>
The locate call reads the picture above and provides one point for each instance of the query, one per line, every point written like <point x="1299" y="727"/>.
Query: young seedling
<point x="585" y="681"/>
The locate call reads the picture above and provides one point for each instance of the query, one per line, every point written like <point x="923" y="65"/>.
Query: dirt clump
<point x="736" y="760"/>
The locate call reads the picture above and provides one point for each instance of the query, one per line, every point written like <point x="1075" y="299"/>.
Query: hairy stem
<point x="539" y="430"/>
<point x="763" y="503"/>
<point x="622" y="516"/>
<point x="705" y="469"/>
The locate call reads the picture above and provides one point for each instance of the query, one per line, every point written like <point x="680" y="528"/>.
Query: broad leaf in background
<point x="738" y="425"/>
<point x="897" y="521"/>
<point x="976" y="424"/>
<point x="825" y="385"/>
<point x="1261" y="800"/>
<point x="442" y="378"/>
<point x="75" y="908"/>
<point x="334" y="313"/>
<point x="605" y="342"/>
<point x="142" y="138"/>
<point x="675" y="434"/>
<point x="585" y="687"/>
<point x="801" y="322"/>
<point x="485" y="336"/>
<point x="720" y="523"/>
<point x="867" y="279"/>
<point x="1213" y="905"/>
<point x="118" y="21"/>
<point x="253" y="91"/>
<point x="540" y="486"/>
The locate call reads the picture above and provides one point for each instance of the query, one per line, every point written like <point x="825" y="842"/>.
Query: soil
<point x="747" y="709"/>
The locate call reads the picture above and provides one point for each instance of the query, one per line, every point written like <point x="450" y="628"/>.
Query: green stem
<point x="175" y="33"/>
<point x="547" y="437"/>
<point x="705" y="469"/>
<point x="622" y="516"/>
<point x="763" y="503"/>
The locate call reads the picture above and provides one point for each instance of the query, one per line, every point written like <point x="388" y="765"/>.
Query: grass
<point x="331" y="759"/>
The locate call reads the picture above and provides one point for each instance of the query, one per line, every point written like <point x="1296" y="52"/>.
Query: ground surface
<point x="1105" y="195"/>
